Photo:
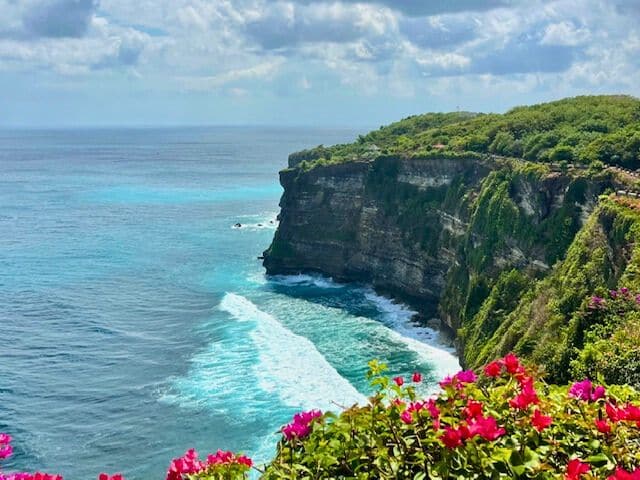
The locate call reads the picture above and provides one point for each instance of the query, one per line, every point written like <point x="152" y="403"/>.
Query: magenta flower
<point x="406" y="417"/>
<point x="581" y="390"/>
<point x="300" y="427"/>
<point x="466" y="376"/>
<point x="584" y="390"/>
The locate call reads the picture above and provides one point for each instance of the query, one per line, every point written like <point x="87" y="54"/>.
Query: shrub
<point x="504" y="424"/>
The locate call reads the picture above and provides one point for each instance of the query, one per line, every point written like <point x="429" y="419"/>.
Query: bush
<point x="505" y="424"/>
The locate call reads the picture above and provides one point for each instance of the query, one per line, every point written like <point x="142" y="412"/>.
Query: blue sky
<point x="303" y="62"/>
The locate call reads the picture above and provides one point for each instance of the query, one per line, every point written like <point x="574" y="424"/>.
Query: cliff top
<point x="583" y="129"/>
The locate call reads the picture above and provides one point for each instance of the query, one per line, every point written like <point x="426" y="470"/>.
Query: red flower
<point x="493" y="369"/>
<point x="244" y="460"/>
<point x="575" y="468"/>
<point x="511" y="363"/>
<point x="622" y="474"/>
<point x="104" y="476"/>
<point x="399" y="381"/>
<point x="631" y="413"/>
<point x="473" y="409"/>
<point x="451" y="437"/>
<point x="540" y="421"/>
<point x="614" y="413"/>
<point x="417" y="377"/>
<point x="603" y="426"/>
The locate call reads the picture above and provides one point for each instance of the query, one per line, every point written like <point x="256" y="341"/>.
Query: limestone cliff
<point x="436" y="232"/>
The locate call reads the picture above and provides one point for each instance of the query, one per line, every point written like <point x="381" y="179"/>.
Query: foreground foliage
<point x="503" y="423"/>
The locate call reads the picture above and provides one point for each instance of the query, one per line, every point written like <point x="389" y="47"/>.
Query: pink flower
<point x="581" y="390"/>
<point x="244" y="460"/>
<point x="306" y="417"/>
<point x="416" y="377"/>
<point x="227" y="458"/>
<point x="526" y="397"/>
<point x="186" y="464"/>
<point x="485" y="427"/>
<point x="584" y="391"/>
<point x="598" y="393"/>
<point x="296" y="430"/>
<point x="104" y="476"/>
<point x="5" y="451"/>
<point x="596" y="302"/>
<point x="540" y="421"/>
<point x="434" y="411"/>
<point x="576" y="468"/>
<point x="493" y="369"/>
<point x="406" y="417"/>
<point x="300" y="427"/>
<point x="446" y="381"/>
<point x="399" y="381"/>
<point x="466" y="376"/>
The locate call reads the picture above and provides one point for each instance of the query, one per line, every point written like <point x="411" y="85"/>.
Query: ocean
<point x="136" y="320"/>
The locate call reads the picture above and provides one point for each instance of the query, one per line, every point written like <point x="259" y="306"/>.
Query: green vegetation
<point x="554" y="321"/>
<point x="582" y="129"/>
<point x="504" y="424"/>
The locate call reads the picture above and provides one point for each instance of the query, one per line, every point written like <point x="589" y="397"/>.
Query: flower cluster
<point x="300" y="427"/>
<point x="219" y="465"/>
<point x="105" y="476"/>
<point x="504" y="423"/>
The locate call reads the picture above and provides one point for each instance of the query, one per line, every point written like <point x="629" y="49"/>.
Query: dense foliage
<point x="581" y="129"/>
<point x="552" y="321"/>
<point x="505" y="424"/>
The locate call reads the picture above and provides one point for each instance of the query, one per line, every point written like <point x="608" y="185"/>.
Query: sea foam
<point x="290" y="365"/>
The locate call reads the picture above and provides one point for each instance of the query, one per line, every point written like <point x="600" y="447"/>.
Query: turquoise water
<point x="137" y="322"/>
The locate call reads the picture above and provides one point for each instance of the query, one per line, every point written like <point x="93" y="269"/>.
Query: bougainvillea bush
<point x="502" y="422"/>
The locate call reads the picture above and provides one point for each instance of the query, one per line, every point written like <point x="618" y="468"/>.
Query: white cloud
<point x="564" y="33"/>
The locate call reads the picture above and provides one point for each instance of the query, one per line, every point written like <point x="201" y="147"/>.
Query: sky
<point x="303" y="62"/>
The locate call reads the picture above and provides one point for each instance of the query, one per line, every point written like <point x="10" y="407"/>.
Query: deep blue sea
<point x="136" y="322"/>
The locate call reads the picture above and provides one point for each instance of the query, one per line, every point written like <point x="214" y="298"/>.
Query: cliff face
<point x="435" y="232"/>
<point x="392" y="223"/>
